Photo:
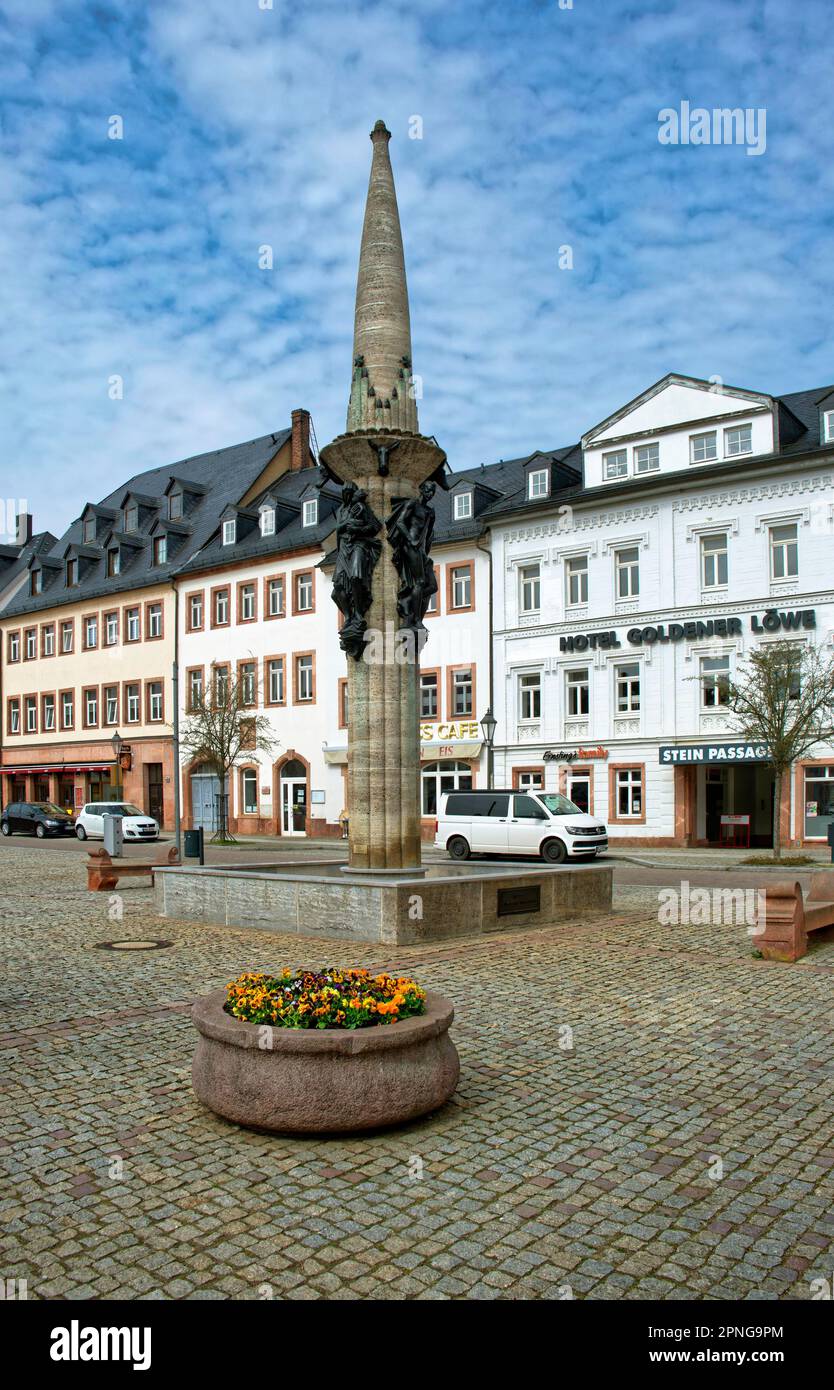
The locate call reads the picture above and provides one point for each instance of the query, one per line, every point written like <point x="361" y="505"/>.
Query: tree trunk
<point x="777" y="814"/>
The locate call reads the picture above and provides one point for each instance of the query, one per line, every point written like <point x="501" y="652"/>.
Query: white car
<point x="511" y="822"/>
<point x="89" y="824"/>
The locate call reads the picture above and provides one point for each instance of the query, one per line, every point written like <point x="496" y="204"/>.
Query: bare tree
<point x="223" y="729"/>
<point x="783" y="697"/>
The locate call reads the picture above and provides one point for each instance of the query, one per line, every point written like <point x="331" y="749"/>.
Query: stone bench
<point x="103" y="872"/>
<point x="789" y="917"/>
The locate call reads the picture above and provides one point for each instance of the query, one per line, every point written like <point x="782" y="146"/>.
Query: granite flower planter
<point x="323" y="1081"/>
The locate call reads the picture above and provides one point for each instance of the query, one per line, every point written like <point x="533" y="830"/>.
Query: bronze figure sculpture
<point x="358" y="553"/>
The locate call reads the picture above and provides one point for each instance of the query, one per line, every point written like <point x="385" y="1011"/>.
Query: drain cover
<point x="135" y="945"/>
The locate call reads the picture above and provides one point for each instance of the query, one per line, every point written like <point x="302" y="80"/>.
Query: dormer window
<point x="463" y="506"/>
<point x="71" y="574"/>
<point x="828" y="427"/>
<point x="738" y="440"/>
<point x="229" y="531"/>
<point x="160" y="550"/>
<point x="646" y="458"/>
<point x="175" y="506"/>
<point x="310" y="512"/>
<point x="703" y="448"/>
<point x="538" y="484"/>
<point x="615" y="464"/>
<point x="37" y="582"/>
<point x="267" y="521"/>
<point x="89" y="530"/>
<point x="132" y="517"/>
<point x="114" y="562"/>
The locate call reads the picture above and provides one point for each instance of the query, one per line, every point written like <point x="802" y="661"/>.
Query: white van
<point x="513" y="822"/>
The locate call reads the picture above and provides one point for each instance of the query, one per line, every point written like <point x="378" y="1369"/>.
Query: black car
<point x="39" y="818"/>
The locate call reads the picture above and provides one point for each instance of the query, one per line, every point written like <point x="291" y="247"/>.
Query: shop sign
<point x="772" y="620"/>
<point x="575" y="755"/>
<point x="446" y="733"/>
<point x="735" y="820"/>
<point x="713" y="753"/>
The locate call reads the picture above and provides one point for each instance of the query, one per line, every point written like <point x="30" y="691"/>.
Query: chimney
<point x="300" y="455"/>
<point x="24" y="528"/>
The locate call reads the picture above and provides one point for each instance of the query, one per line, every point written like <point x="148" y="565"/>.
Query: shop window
<point x="437" y="778"/>
<point x="249" y="787"/>
<point x="629" y="792"/>
<point x="819" y="801"/>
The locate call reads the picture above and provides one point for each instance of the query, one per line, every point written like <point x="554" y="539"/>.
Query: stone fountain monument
<point x="382" y="584"/>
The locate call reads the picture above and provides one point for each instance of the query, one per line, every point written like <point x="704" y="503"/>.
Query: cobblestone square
<point x="643" y="1112"/>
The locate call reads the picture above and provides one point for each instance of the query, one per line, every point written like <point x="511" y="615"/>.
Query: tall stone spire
<point x="381" y="395"/>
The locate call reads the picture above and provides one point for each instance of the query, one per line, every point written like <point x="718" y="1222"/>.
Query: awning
<point x="56" y="767"/>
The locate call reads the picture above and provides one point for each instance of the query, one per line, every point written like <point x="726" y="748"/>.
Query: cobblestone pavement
<point x="588" y="1169"/>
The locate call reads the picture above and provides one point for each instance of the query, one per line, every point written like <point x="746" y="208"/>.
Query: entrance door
<point x="205" y="798"/>
<point x="714" y="804"/>
<point x="153" y="786"/>
<point x="293" y="806"/>
<point x="579" y="790"/>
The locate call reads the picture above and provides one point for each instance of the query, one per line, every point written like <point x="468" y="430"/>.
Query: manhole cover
<point x="132" y="945"/>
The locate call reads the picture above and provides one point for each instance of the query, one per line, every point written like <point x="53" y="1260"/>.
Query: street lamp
<point x="117" y="744"/>
<point x="488" y="726"/>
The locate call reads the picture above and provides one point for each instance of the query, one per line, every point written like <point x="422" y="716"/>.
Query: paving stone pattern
<point x="607" y="1065"/>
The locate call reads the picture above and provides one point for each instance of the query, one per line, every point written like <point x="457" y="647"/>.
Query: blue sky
<point x="246" y="126"/>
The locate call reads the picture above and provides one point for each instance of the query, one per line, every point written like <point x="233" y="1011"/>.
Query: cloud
<point x="246" y="126"/>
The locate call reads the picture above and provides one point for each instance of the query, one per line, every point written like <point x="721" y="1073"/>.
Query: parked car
<point x="89" y="823"/>
<point x="513" y="822"/>
<point x="39" y="818"/>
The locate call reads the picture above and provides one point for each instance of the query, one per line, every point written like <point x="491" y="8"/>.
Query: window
<point x="221" y="608"/>
<point x="538" y="483"/>
<point x="627" y="687"/>
<point x="463" y="505"/>
<point x="429" y="691"/>
<point x="438" y="778"/>
<point x="714" y="568"/>
<point x="646" y="458"/>
<point x="153" y="620"/>
<point x="275" y="680"/>
<point x="71" y="574"/>
<point x="48" y="640"/>
<point x="578" y="691"/>
<point x="615" y="464"/>
<point x="89" y="530"/>
<point x="36" y="584"/>
<point x="195" y="687"/>
<point x="738" y="440"/>
<point x="344" y="703"/>
<point x="229" y="531"/>
<point x="628" y="788"/>
<point x="31" y="637"/>
<point x="275" y="597"/>
<point x="528" y="779"/>
<point x="111" y="629"/>
<point x="530" y="696"/>
<point x="160" y="550"/>
<point x="132" y="517"/>
<point x="14" y="716"/>
<point x="784" y="552"/>
<point x="154" y="701"/>
<point x="113" y="563"/>
<point x="819" y="800"/>
<point x="246" y="599"/>
<point x="828" y="426"/>
<point x="67" y="709"/>
<point x="715" y="681"/>
<point x="530" y="588"/>
<point x="195" y="612"/>
<point x="132" y="628"/>
<point x="304" y="592"/>
<point x="460" y="588"/>
<point x="528" y="808"/>
<point x="627" y="569"/>
<point x="462" y="702"/>
<point x="434" y="600"/>
<point x="48" y="713"/>
<point x="111" y="704"/>
<point x="221" y="684"/>
<point x="31" y="708"/>
<point x="247" y="679"/>
<point x="576" y="577"/>
<point x="91" y="707"/>
<point x="703" y="447"/>
<point x="132" y="703"/>
<point x="249" y="787"/>
<point x="303" y="678"/>
<point x="310" y="512"/>
<point x="90" y="632"/>
<point x="67" y="636"/>
<point x="175" y="506"/>
<point x="14" y="647"/>
<point x="267" y="521"/>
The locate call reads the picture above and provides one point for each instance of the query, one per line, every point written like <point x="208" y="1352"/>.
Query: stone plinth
<point x="383" y="706"/>
<point x="322" y="900"/>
